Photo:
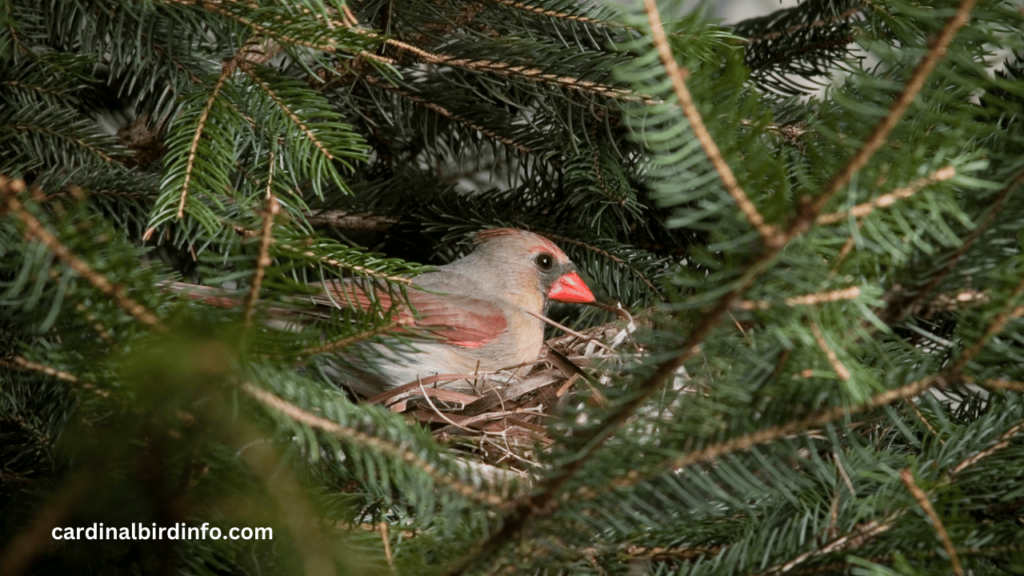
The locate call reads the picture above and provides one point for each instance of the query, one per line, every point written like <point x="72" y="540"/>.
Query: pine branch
<point x="9" y="189"/>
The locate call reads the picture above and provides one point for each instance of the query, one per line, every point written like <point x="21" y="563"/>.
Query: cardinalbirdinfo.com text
<point x="178" y="531"/>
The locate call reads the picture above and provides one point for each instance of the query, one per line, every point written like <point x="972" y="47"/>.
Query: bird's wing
<point x="456" y="319"/>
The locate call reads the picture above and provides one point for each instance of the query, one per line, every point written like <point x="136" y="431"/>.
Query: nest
<point x="504" y="421"/>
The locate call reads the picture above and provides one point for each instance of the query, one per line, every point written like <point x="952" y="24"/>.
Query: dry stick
<point x="800" y="223"/>
<point x="886" y="200"/>
<point x="568" y="330"/>
<point x="768" y="232"/>
<point x="358" y="437"/>
<point x="34" y="229"/>
<point x="922" y="500"/>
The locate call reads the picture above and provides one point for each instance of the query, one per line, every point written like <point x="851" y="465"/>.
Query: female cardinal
<point x="478" y="313"/>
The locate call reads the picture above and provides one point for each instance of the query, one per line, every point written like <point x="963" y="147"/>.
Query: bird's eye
<point x="544" y="261"/>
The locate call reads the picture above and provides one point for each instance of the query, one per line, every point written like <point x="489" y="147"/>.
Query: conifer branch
<point x="227" y="69"/>
<point x="850" y="293"/>
<point x="266" y="238"/>
<point x="248" y="69"/>
<point x="437" y="108"/>
<point x="56" y="134"/>
<point x="9" y="189"/>
<point x="559" y="15"/>
<point x="21" y="363"/>
<point x="797" y="28"/>
<point x="922" y="500"/>
<point x="520" y="71"/>
<point x="897" y="312"/>
<point x="540" y="501"/>
<point x="361" y="438"/>
<point x="346" y="342"/>
<point x="885" y="200"/>
<point x="833" y="359"/>
<point x="678" y="76"/>
<point x="898" y="108"/>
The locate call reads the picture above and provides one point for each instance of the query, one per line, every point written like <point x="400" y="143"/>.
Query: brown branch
<point x="833" y="359"/>
<point x="1004" y="441"/>
<point x="9" y="189"/>
<point x="507" y="69"/>
<point x="352" y="220"/>
<point x="768" y="232"/>
<point x="898" y="108"/>
<point x="266" y="238"/>
<point x="358" y="437"/>
<point x="922" y="500"/>
<point x="885" y="200"/>
<point x="805" y="300"/>
<point x="796" y="28"/>
<point x="19" y="362"/>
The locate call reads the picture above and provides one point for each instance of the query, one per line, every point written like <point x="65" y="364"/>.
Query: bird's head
<point x="535" y="260"/>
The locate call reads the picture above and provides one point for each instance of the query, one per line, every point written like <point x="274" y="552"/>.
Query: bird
<point x="478" y="314"/>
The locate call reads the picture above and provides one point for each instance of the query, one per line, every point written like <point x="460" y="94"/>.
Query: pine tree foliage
<point x="814" y="218"/>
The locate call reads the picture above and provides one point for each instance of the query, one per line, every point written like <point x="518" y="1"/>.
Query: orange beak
<point x="570" y="288"/>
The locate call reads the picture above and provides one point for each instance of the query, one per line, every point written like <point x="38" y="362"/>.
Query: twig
<point x="885" y="200"/>
<point x="898" y="108"/>
<point x="561" y="16"/>
<point x="34" y="229"/>
<point x="24" y="364"/>
<point x="927" y="424"/>
<point x="833" y="359"/>
<point x="1004" y="441"/>
<point x="768" y="232"/>
<point x="399" y="452"/>
<point x="383" y="526"/>
<point x="266" y="238"/>
<point x="804" y="300"/>
<point x="248" y="69"/>
<point x="351" y="220"/>
<point x="922" y="500"/>
<point x="568" y="330"/>
<point x="227" y="69"/>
